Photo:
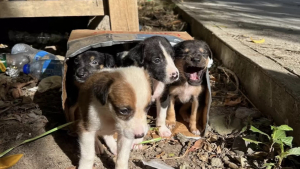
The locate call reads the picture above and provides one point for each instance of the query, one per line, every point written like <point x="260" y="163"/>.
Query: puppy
<point x="80" y="68"/>
<point x="109" y="101"/>
<point x="192" y="58"/>
<point x="156" y="55"/>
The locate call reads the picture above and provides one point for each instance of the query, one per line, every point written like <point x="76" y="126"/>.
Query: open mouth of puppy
<point x="194" y="74"/>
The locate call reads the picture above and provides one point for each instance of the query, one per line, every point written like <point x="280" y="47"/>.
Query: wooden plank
<point x="83" y="33"/>
<point x="123" y="15"/>
<point x="18" y="9"/>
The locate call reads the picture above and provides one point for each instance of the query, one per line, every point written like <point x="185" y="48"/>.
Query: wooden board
<point x="123" y="15"/>
<point x="83" y="33"/>
<point x="18" y="9"/>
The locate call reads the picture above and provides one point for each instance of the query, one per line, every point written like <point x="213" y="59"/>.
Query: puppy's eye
<point x="124" y="111"/>
<point x="94" y="62"/>
<point x="156" y="60"/>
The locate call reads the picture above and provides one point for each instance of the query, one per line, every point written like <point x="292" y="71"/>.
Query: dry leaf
<point x="258" y="41"/>
<point x="207" y="147"/>
<point x="219" y="151"/>
<point x="235" y="102"/>
<point x="9" y="161"/>
<point x="160" y="155"/>
<point x="203" y="158"/>
<point x="214" y="93"/>
<point x="198" y="144"/>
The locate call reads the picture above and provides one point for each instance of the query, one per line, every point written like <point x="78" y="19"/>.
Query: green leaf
<point x="171" y="155"/>
<point x="287" y="141"/>
<point x="268" y="165"/>
<point x="150" y="141"/>
<point x="252" y="141"/>
<point x="294" y="151"/>
<point x="258" y="131"/>
<point x="285" y="128"/>
<point x="278" y="135"/>
<point x="243" y="129"/>
<point x="37" y="137"/>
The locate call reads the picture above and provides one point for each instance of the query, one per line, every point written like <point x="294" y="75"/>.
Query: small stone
<point x="203" y="157"/>
<point x="216" y="162"/>
<point x="244" y="112"/>
<point x="225" y="158"/>
<point x="213" y="138"/>
<point x="158" y="149"/>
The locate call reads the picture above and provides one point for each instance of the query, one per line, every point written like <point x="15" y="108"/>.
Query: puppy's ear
<point x="109" y="60"/>
<point x="101" y="88"/>
<point x="135" y="55"/>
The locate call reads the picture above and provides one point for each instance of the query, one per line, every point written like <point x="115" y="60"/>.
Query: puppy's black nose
<point x="174" y="75"/>
<point x="139" y="135"/>
<point x="196" y="59"/>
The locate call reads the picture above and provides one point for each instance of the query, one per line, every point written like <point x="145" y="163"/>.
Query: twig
<point x="4" y="110"/>
<point x="220" y="67"/>
<point x="186" y="152"/>
<point x="233" y="74"/>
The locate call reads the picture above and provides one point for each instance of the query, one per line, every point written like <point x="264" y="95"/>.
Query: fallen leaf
<point x="229" y="102"/>
<point x="160" y="155"/>
<point x="9" y="161"/>
<point x="258" y="41"/>
<point x="198" y="144"/>
<point x="214" y="93"/>
<point x="207" y="147"/>
<point x="219" y="150"/>
<point x="203" y="158"/>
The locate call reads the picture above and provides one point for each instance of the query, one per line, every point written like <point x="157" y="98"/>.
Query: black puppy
<point x="156" y="55"/>
<point x="79" y="69"/>
<point x="192" y="58"/>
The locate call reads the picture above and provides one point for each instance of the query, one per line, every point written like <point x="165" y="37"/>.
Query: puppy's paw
<point x="195" y="131"/>
<point x="136" y="145"/>
<point x="170" y="124"/>
<point x="163" y="131"/>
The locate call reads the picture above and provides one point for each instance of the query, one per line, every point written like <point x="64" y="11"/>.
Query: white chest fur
<point x="185" y="92"/>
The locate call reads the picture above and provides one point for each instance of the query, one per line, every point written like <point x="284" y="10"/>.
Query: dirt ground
<point x="31" y="113"/>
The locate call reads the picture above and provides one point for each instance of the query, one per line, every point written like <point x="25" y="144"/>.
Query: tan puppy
<point x="192" y="58"/>
<point x="113" y="100"/>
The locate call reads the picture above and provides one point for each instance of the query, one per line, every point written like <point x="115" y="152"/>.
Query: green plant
<point x="278" y="137"/>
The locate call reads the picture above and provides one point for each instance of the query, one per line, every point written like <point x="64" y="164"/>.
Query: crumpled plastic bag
<point x="50" y="82"/>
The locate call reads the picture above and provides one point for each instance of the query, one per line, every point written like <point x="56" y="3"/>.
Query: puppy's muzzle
<point x="174" y="76"/>
<point x="196" y="59"/>
<point x="82" y="73"/>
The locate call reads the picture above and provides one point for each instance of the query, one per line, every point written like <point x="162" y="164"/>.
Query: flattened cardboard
<point x="83" y="40"/>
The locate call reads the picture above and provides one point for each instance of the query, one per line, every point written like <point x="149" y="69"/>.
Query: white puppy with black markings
<point x="156" y="55"/>
<point x="113" y="100"/>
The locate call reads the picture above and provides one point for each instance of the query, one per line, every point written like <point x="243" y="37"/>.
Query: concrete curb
<point x="273" y="90"/>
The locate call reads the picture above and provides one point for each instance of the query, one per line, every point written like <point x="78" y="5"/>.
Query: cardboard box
<point x="83" y="40"/>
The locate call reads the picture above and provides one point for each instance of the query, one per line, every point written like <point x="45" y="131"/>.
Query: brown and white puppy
<point x="192" y="58"/>
<point x="113" y="100"/>
<point x="156" y="55"/>
<point x="79" y="69"/>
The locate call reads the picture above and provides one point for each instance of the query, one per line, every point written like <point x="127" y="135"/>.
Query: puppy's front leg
<point x="124" y="147"/>
<point x="87" y="149"/>
<point x="171" y="116"/>
<point x="194" y="117"/>
<point x="161" y="108"/>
